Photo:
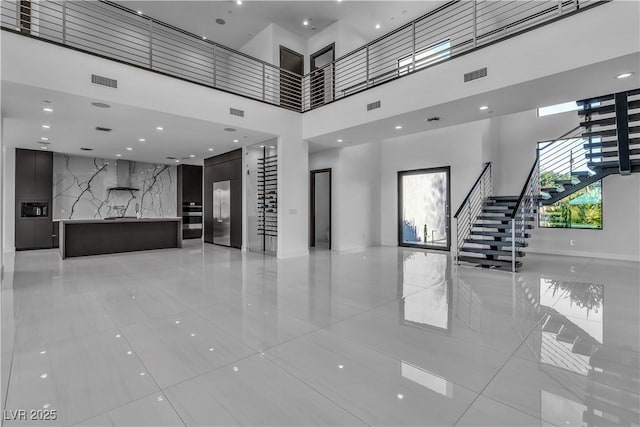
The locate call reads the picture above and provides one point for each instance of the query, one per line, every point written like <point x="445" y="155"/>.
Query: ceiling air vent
<point x="477" y="74"/>
<point x="101" y="129"/>
<point x="236" y="112"/>
<point x="373" y="105"/>
<point x="104" y="81"/>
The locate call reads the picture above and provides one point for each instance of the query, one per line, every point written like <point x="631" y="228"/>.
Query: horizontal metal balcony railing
<point x="444" y="33"/>
<point x="115" y="32"/>
<point x="112" y="31"/>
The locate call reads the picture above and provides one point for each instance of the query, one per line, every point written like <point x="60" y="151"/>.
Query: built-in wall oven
<point x="34" y="209"/>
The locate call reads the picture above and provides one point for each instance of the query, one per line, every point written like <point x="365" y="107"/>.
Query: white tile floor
<point x="388" y="336"/>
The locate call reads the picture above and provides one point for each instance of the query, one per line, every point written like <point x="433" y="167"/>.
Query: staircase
<point x="493" y="230"/>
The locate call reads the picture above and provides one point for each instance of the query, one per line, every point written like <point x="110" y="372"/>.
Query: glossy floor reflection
<point x="386" y="336"/>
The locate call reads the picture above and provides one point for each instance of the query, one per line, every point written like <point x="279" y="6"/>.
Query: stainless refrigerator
<point x="222" y="213"/>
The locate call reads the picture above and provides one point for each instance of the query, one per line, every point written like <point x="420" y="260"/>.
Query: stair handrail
<point x="475" y="185"/>
<point x="472" y="205"/>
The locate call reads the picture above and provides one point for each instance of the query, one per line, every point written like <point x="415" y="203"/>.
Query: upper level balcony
<point x="111" y="31"/>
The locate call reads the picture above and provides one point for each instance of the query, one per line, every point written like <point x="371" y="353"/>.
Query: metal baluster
<point x="263" y="82"/>
<point x="214" y="66"/>
<point x="150" y="43"/>
<point x="559" y="7"/>
<point x="513" y="245"/>
<point x="475" y="23"/>
<point x="64" y="22"/>
<point x="413" y="45"/>
<point x="367" y="65"/>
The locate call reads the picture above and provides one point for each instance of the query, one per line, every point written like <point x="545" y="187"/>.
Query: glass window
<point x="566" y="160"/>
<point x="425" y="57"/>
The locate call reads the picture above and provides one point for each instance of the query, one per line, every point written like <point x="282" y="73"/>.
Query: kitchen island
<point x="81" y="237"/>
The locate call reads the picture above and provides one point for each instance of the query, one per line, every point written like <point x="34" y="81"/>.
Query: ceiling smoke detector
<point x="220" y="21"/>
<point x="86" y="149"/>
<point x="100" y="105"/>
<point x="433" y="119"/>
<point x="103" y="129"/>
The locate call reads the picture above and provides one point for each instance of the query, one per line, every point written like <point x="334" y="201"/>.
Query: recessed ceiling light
<point x="139" y="12"/>
<point x="129" y="149"/>
<point x="339" y="140"/>
<point x="142" y="140"/>
<point x="204" y="37"/>
<point x="272" y="147"/>
<point x="177" y="161"/>
<point x="262" y="146"/>
<point x="377" y="26"/>
<point x="43" y="147"/>
<point x="118" y="155"/>
<point x="192" y="155"/>
<point x="239" y="2"/>
<point x="159" y="128"/>
<point x="46" y="126"/>
<point x="305" y="22"/>
<point x="624" y="75"/>
<point x="48" y="109"/>
<point x="484" y="107"/>
<point x="210" y="149"/>
<point x="398" y="127"/>
<point x="235" y="140"/>
<point x="44" y="138"/>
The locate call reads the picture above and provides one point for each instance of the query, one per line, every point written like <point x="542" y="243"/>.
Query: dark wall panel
<point x="224" y="167"/>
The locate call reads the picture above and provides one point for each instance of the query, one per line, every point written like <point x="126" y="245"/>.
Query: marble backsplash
<point x="80" y="189"/>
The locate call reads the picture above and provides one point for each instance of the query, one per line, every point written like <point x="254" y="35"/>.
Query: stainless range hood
<point x="123" y="177"/>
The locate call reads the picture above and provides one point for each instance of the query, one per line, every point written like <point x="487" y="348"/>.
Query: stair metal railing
<point x="471" y="207"/>
<point x="563" y="156"/>
<point x="525" y="208"/>
<point x="112" y="31"/>
<point x="444" y="33"/>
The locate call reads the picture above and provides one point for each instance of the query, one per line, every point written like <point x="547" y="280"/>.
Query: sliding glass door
<point x="423" y="208"/>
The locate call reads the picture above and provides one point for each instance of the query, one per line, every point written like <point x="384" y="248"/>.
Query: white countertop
<point x="116" y="221"/>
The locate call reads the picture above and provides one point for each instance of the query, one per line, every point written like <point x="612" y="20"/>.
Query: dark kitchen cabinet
<point x="34" y="187"/>
<point x="224" y="167"/>
<point x="190" y="200"/>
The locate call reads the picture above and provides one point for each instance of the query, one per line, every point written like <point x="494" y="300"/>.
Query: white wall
<point x="9" y="197"/>
<point x="459" y="147"/>
<point x="261" y="45"/>
<point x="322" y="206"/>
<point x="344" y="36"/>
<point x="355" y="173"/>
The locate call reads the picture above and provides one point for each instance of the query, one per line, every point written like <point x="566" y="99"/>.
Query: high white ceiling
<point x="74" y="119"/>
<point x="244" y="21"/>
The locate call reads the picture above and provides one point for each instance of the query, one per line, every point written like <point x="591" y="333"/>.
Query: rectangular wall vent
<point x="236" y="112"/>
<point x="477" y="74"/>
<point x="373" y="105"/>
<point x="104" y="81"/>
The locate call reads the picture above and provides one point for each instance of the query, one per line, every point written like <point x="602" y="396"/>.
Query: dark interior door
<point x="291" y="83"/>
<point x="322" y="75"/>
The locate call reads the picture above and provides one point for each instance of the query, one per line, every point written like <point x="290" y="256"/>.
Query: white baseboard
<point x="602" y="255"/>
<point x="297" y="254"/>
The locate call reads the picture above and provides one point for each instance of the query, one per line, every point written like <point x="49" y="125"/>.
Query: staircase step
<point x="550" y="189"/>
<point x="601" y="154"/>
<point x="494" y="233"/>
<point x="497" y="243"/>
<point x="568" y="335"/>
<point x="553" y="324"/>
<point x="564" y="182"/>
<point x="605" y="109"/>
<point x="609" y="121"/>
<point x="600" y="133"/>
<point x="499" y="226"/>
<point x="506" y="203"/>
<point x="505" y="198"/>
<point x="494" y="252"/>
<point x="504" y="218"/>
<point x="488" y="262"/>
<point x="579" y="174"/>
<point x="506" y="210"/>
<point x="602" y="165"/>
<point x="604" y="144"/>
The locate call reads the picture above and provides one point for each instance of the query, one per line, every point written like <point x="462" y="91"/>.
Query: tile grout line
<point x="143" y="365"/>
<point x="496" y="374"/>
